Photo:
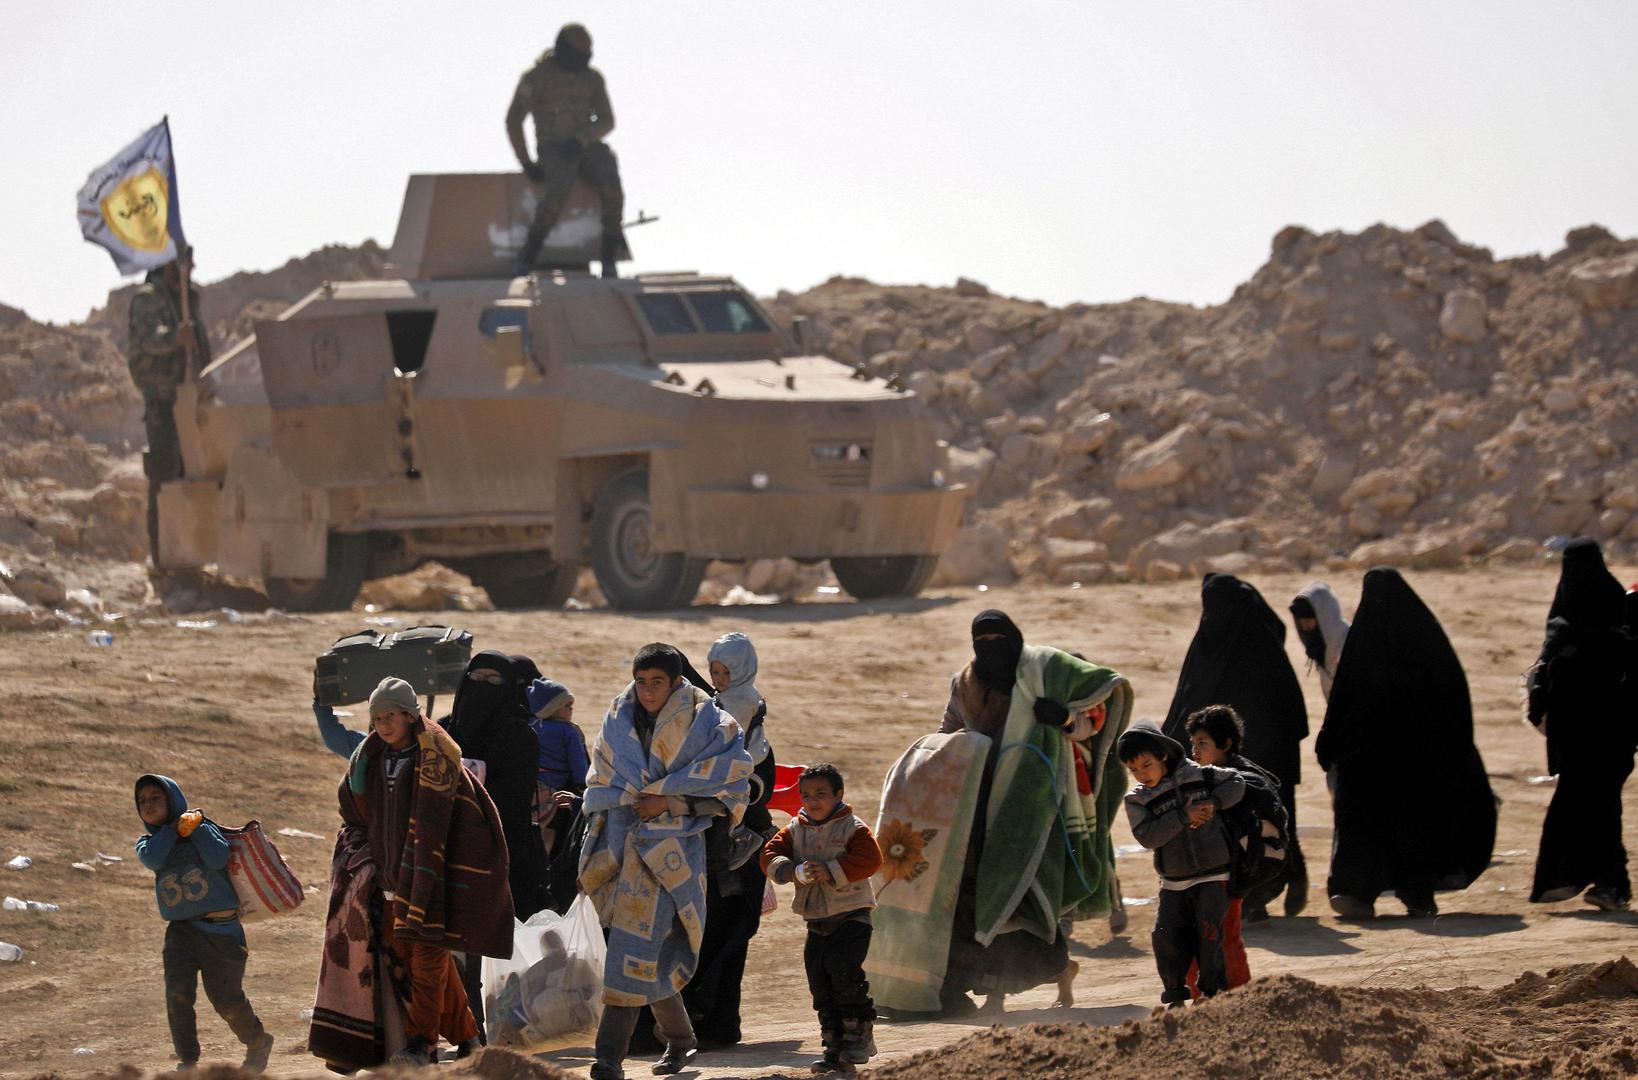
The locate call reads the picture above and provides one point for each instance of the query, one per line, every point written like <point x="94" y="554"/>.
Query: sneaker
<point x="468" y="1048"/>
<point x="416" y="1052"/>
<point x="743" y="845"/>
<point x="1422" y="910"/>
<point x="1352" y="907"/>
<point x="1607" y="899"/>
<point x="185" y="1066"/>
<point x="675" y="1060"/>
<point x="256" y="1054"/>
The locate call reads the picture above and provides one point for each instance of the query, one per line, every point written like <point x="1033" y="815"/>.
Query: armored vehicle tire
<point x="631" y="574"/>
<point x="871" y="577"/>
<point x="347" y="557"/>
<point x="548" y="588"/>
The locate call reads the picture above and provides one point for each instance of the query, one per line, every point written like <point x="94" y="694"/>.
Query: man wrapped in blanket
<point x="665" y="763"/>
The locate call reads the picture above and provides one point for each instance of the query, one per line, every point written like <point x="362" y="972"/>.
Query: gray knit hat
<point x="394" y="693"/>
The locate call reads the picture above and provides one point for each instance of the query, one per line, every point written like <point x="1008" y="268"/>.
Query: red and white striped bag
<point x="265" y="885"/>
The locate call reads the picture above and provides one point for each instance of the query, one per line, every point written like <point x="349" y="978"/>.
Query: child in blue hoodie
<point x="203" y="937"/>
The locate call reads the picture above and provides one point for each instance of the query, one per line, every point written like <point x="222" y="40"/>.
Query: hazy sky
<point x="1060" y="151"/>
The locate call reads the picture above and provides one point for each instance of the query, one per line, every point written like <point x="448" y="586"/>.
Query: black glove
<point x="569" y="149"/>
<point x="534" y="172"/>
<point x="1050" y="713"/>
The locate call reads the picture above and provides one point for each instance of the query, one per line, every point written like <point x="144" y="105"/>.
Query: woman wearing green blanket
<point x="1038" y="852"/>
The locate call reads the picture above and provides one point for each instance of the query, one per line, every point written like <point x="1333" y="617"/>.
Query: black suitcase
<point x="429" y="658"/>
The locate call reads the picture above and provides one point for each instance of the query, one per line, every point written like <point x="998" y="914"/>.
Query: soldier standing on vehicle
<point x="570" y="106"/>
<point x="159" y="356"/>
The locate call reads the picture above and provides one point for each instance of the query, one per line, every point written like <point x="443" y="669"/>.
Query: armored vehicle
<point x="515" y="427"/>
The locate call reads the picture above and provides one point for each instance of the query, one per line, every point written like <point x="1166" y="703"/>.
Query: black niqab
<point x="1588" y="594"/>
<point x="1238" y="658"/>
<point x="1401" y="696"/>
<point x="490" y="723"/>
<point x="995" y="662"/>
<point x="524" y="672"/>
<point x="1313" y="641"/>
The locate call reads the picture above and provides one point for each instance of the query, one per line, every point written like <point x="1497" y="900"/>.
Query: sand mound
<point x="1287" y="1026"/>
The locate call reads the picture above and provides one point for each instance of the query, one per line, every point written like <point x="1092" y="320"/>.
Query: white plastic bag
<point x="553" y="984"/>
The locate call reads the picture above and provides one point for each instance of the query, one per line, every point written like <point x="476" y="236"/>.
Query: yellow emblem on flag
<point x="137" y="208"/>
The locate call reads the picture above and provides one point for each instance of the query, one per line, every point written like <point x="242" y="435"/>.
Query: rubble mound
<point x="1289" y="1026"/>
<point x="73" y="497"/>
<point x="1381" y="397"/>
<point x="1390" y="396"/>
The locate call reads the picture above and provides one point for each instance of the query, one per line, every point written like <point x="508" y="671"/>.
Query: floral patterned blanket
<point x="928" y="801"/>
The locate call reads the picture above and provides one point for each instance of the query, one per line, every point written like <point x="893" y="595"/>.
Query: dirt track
<point x="225" y="711"/>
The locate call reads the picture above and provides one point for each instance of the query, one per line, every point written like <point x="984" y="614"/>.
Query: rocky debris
<point x="1375" y="388"/>
<point x="1462" y="317"/>
<point x="1607" y="283"/>
<point x="433" y="587"/>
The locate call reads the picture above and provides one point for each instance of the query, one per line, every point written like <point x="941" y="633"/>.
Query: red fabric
<point x="785" y="795"/>
<point x="1234" y="952"/>
<point x="1083" y="779"/>
<point x="437" y="1003"/>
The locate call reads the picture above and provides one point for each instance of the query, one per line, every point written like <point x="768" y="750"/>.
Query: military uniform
<point x="158" y="365"/>
<point x="572" y="115"/>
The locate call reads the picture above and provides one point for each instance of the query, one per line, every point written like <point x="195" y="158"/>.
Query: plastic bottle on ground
<point x="10" y="952"/>
<point x="100" y="638"/>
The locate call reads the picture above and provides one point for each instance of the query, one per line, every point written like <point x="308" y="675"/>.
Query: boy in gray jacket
<point x="1173" y="812"/>
<point x="831" y="854"/>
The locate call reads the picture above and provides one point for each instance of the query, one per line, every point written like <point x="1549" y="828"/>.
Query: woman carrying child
<point x="1036" y="835"/>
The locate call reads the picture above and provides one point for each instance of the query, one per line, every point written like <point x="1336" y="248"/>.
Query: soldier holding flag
<point x="131" y="207"/>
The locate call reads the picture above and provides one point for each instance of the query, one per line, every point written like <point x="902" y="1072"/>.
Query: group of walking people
<point x="994" y="834"/>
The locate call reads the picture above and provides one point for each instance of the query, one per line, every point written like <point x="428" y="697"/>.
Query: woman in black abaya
<point x="490" y="722"/>
<point x="1238" y="658"/>
<point x="1413" y="808"/>
<point x="1581" y="697"/>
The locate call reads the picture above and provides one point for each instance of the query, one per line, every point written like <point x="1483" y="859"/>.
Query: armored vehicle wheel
<point x="347" y="556"/>
<point x="631" y="574"/>
<point x="871" y="577"/>
<point x="513" y="584"/>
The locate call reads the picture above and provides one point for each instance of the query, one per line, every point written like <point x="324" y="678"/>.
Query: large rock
<point x="1607" y="283"/>
<point x="991" y="361"/>
<point x="1187" y="544"/>
<point x="17" y="614"/>
<point x="1057" y="552"/>
<point x="971" y="467"/>
<point x="430" y="588"/>
<point x="1463" y="316"/>
<point x="36" y="585"/>
<point x="1088" y="436"/>
<point x="1045" y="353"/>
<point x="1164" y="462"/>
<point x="1017" y="448"/>
<point x="1395" y="551"/>
<point x="978" y="556"/>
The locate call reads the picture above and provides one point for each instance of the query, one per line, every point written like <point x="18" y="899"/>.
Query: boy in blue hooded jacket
<point x="203" y="937"/>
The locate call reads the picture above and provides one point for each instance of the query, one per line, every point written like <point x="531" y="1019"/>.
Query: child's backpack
<point x="1260" y="835"/>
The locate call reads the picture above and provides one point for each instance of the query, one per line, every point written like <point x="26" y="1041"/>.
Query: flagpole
<point x="185" y="269"/>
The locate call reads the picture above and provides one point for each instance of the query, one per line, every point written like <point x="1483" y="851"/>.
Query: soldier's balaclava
<point x="573" y="49"/>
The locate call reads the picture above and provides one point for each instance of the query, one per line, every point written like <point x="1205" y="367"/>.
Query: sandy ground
<point x="224" y="710"/>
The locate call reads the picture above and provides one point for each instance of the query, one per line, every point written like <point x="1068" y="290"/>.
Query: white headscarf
<point x="1333" y="628"/>
<point x="741" y="700"/>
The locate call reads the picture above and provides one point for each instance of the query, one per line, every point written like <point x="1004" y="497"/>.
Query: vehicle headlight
<point x="759" y="481"/>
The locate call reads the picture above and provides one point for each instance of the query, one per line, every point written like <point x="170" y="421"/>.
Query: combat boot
<point x="831" y="1036"/>
<point x="858" y="1041"/>
<point x="610" y="259"/>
